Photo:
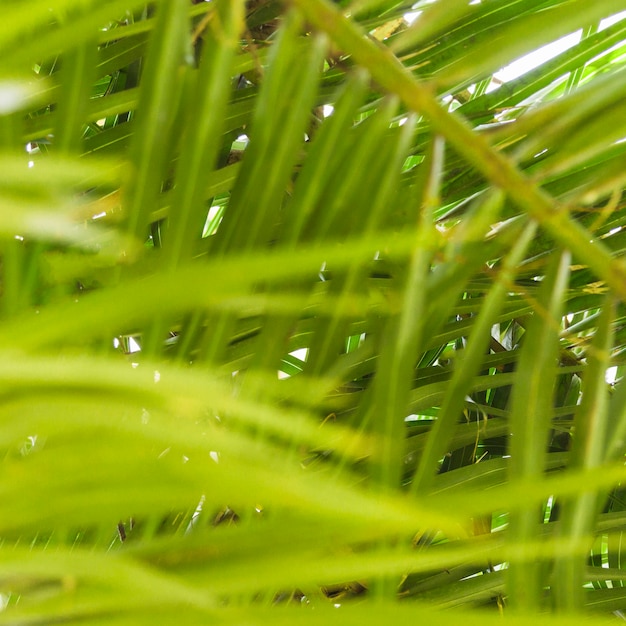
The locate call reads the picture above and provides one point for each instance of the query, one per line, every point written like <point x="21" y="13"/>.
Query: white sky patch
<point x="328" y="110"/>
<point x="611" y="375"/>
<point x="301" y="353"/>
<point x="211" y="224"/>
<point x="213" y="211"/>
<point x="537" y="57"/>
<point x="609" y="21"/>
<point x="549" y="51"/>
<point x="133" y="346"/>
<point x="412" y="16"/>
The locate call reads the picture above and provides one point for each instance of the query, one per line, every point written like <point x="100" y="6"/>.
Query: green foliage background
<point x="305" y="318"/>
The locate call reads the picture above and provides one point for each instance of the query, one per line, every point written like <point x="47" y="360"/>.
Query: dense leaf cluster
<point x="305" y="303"/>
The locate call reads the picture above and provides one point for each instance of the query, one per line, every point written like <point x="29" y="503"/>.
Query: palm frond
<point x="306" y="305"/>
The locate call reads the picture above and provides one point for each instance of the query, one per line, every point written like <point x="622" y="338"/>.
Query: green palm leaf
<point x="302" y="305"/>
